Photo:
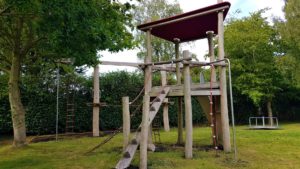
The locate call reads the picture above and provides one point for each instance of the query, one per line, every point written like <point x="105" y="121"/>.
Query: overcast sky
<point x="200" y="47"/>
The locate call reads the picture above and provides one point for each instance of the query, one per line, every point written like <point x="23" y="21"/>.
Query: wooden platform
<point x="196" y="90"/>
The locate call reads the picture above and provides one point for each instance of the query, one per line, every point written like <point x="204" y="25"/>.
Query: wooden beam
<point x="210" y="36"/>
<point x="224" y="104"/>
<point x="199" y="64"/>
<point x="129" y="152"/>
<point x="168" y="68"/>
<point x="126" y="121"/>
<point x="146" y="104"/>
<point x="131" y="64"/>
<point x="163" y="75"/>
<point x="96" y="100"/>
<point x="179" y="99"/>
<point x="144" y="132"/>
<point x="132" y="147"/>
<point x="169" y="62"/>
<point x="196" y="90"/>
<point x="188" y="109"/>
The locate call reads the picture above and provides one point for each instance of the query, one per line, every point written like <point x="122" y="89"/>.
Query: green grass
<point x="257" y="149"/>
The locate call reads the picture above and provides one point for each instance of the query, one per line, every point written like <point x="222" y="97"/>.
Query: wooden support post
<point x="223" y="88"/>
<point x="180" y="114"/>
<point x="96" y="101"/>
<point x="212" y="119"/>
<point x="218" y="120"/>
<point x="165" y="105"/>
<point x="126" y="121"/>
<point x="144" y="132"/>
<point x="210" y="35"/>
<point x="146" y="106"/>
<point x="188" y="109"/>
<point x="166" y="115"/>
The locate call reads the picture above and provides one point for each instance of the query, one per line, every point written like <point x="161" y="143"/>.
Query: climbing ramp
<point x="134" y="143"/>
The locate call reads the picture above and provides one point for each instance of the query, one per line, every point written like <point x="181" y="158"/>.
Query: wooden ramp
<point x="205" y="105"/>
<point x="134" y="143"/>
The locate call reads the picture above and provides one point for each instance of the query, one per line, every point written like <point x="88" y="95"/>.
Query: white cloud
<point x="275" y="8"/>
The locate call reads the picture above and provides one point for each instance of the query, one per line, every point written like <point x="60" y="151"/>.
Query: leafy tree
<point x="249" y="43"/>
<point x="154" y="10"/>
<point x="56" y="29"/>
<point x="291" y="28"/>
<point x="290" y="34"/>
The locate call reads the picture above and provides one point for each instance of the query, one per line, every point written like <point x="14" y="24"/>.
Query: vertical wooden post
<point x="166" y="115"/>
<point x="188" y="108"/>
<point x="224" y="107"/>
<point x="210" y="35"/>
<point x="126" y="121"/>
<point x="146" y="105"/>
<point x="180" y="114"/>
<point x="144" y="132"/>
<point x="165" y="105"/>
<point x="96" y="102"/>
<point x="218" y="120"/>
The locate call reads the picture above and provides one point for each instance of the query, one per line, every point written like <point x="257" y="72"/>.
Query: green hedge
<point x="39" y="99"/>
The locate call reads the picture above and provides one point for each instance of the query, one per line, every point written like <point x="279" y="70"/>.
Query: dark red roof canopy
<point x="187" y="26"/>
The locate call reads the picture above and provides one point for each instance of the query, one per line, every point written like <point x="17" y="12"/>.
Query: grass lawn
<point x="257" y="149"/>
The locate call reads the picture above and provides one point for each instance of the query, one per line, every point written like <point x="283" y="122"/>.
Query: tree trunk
<point x="270" y="113"/>
<point x="17" y="109"/>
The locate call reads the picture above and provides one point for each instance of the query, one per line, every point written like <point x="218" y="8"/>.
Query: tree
<point x="52" y="30"/>
<point x="290" y="33"/>
<point x="154" y="10"/>
<point x="249" y="43"/>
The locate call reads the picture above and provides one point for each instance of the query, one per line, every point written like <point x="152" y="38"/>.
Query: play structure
<point x="212" y="96"/>
<point x="263" y="123"/>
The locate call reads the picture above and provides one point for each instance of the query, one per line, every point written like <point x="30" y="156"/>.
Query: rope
<point x="115" y="132"/>
<point x="136" y="98"/>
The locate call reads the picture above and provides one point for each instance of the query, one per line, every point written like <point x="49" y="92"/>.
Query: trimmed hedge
<point x="39" y="99"/>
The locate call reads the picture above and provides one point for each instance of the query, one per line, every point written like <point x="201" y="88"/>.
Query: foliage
<point x="39" y="98"/>
<point x="291" y="29"/>
<point x="290" y="34"/>
<point x="254" y="72"/>
<point x="154" y="10"/>
<point x="56" y="29"/>
<point x="34" y="29"/>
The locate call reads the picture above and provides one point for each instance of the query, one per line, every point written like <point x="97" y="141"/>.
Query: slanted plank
<point x="205" y="105"/>
<point x="156" y="105"/>
<point x="130" y="150"/>
<point x="132" y="147"/>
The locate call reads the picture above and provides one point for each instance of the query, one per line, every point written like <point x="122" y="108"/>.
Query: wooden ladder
<point x="156" y="125"/>
<point x="70" y="110"/>
<point x="134" y="143"/>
